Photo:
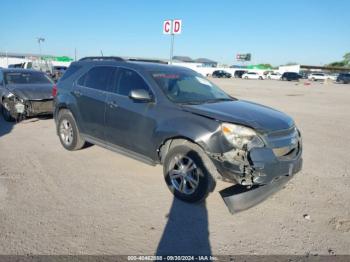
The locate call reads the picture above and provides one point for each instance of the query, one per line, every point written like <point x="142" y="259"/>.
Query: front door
<point x="129" y="124"/>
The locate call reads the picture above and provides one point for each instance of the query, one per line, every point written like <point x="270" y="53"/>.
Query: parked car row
<point x="287" y="76"/>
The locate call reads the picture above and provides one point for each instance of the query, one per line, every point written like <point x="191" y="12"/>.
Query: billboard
<point x="243" y="57"/>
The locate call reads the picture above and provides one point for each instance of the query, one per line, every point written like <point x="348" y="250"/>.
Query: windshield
<point x="26" y="78"/>
<point x="184" y="87"/>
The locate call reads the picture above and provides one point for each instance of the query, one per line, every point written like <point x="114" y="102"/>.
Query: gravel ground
<point x="94" y="201"/>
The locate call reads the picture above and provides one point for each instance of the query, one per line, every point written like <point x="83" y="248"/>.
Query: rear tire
<point x="188" y="172"/>
<point x="68" y="131"/>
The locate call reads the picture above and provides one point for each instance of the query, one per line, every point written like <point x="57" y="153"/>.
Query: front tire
<point x="188" y="173"/>
<point x="68" y="131"/>
<point x="5" y="110"/>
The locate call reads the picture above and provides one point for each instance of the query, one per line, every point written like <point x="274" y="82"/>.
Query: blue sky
<point x="275" y="31"/>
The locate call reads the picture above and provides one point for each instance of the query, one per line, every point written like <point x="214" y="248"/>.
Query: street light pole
<point x="40" y="39"/>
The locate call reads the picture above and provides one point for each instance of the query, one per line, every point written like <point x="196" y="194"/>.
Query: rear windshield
<point x="26" y="78"/>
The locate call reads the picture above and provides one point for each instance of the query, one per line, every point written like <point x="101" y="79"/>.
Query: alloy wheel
<point x="66" y="132"/>
<point x="184" y="174"/>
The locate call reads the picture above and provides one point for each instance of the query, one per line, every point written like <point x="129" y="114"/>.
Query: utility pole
<point x="75" y="54"/>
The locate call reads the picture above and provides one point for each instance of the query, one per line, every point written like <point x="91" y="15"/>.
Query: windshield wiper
<point x="214" y="100"/>
<point x="218" y="100"/>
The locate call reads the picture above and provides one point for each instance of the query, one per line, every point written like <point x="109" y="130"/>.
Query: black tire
<point x="6" y="113"/>
<point x="204" y="170"/>
<point x="245" y="77"/>
<point x="75" y="142"/>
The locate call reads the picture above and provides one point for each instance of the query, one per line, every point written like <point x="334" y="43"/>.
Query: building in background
<point x="18" y="59"/>
<point x="206" y="62"/>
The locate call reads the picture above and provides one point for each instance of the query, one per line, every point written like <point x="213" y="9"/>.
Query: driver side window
<point x="129" y="80"/>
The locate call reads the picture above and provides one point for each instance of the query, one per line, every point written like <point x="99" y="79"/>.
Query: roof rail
<point x="101" y="58"/>
<point x="147" y="60"/>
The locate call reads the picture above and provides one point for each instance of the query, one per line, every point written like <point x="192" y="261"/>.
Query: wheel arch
<point x="63" y="106"/>
<point x="169" y="142"/>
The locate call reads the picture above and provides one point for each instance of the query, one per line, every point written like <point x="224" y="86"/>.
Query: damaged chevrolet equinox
<point x="173" y="116"/>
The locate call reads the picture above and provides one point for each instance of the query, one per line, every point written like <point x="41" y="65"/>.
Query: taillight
<point x="54" y="91"/>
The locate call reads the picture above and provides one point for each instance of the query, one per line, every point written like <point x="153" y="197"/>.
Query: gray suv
<point x="173" y="116"/>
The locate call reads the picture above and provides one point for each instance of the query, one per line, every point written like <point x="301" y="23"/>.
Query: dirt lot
<point x="95" y="201"/>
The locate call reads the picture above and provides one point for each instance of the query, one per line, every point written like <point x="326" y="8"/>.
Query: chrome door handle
<point x="113" y="104"/>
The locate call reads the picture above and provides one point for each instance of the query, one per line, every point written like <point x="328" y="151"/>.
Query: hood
<point x="258" y="117"/>
<point x="32" y="91"/>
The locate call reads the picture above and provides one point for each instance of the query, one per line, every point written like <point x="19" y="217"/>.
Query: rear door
<point x="91" y="95"/>
<point x="129" y="124"/>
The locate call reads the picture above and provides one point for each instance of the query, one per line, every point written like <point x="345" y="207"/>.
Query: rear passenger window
<point x="129" y="80"/>
<point x="97" y="78"/>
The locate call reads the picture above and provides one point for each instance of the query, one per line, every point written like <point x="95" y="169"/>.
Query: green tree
<point x="344" y="63"/>
<point x="347" y="58"/>
<point x="337" y="64"/>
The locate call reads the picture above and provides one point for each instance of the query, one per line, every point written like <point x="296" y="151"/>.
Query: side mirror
<point x="140" y="95"/>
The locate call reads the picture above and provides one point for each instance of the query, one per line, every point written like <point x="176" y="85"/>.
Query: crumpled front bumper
<point x="238" y="198"/>
<point x="260" y="173"/>
<point x="262" y="167"/>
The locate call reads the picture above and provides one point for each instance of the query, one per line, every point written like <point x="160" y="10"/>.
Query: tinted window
<point x="129" y="80"/>
<point x="26" y="78"/>
<point x="185" y="87"/>
<point x="1" y="78"/>
<point x="70" y="71"/>
<point x="97" y="78"/>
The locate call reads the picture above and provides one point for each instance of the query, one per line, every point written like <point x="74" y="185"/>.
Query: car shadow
<point x="5" y="127"/>
<point x="186" y="232"/>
